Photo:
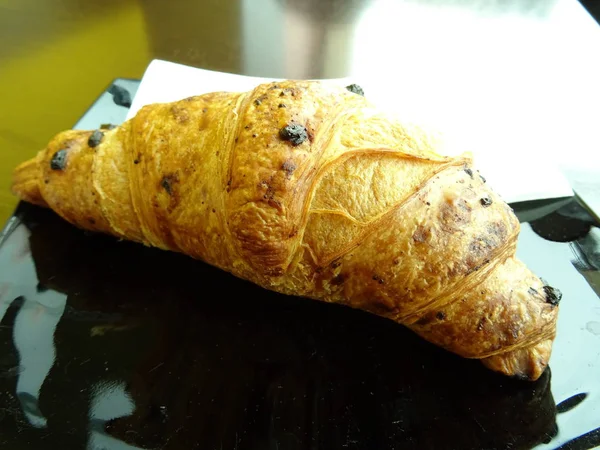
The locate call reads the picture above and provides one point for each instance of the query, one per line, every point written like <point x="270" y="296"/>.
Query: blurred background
<point x="56" y="56"/>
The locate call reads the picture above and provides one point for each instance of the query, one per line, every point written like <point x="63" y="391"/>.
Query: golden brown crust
<point x="305" y="189"/>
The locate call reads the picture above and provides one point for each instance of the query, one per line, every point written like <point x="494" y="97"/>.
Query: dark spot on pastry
<point x="91" y="220"/>
<point x="482" y="247"/>
<point x="270" y="193"/>
<point x="121" y="96"/>
<point x="275" y="86"/>
<point x="95" y="138"/>
<point x="428" y="203"/>
<point x="378" y="279"/>
<point x="292" y="91"/>
<point x="46" y="181"/>
<point x="289" y="167"/>
<point x="468" y="171"/>
<point x="441" y="315"/>
<point x="482" y="178"/>
<point x="425" y="320"/>
<point x="204" y="110"/>
<point x="136" y="161"/>
<point x="335" y="264"/>
<point x="107" y="126"/>
<point x="356" y="89"/>
<point x="282" y="105"/>
<point x="553" y="295"/>
<point x="213" y="210"/>
<point x="59" y="160"/>
<point x="532" y="291"/>
<point x="338" y="279"/>
<point x="396" y="261"/>
<point x="168" y="182"/>
<point x="486" y="201"/>
<point x="294" y="133"/>
<point x="454" y="215"/>
<point x="247" y="127"/>
<point x="181" y="115"/>
<point x="260" y="99"/>
<point x="254" y="135"/>
<point x="421" y="234"/>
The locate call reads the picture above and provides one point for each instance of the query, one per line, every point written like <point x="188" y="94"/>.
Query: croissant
<point x="306" y="189"/>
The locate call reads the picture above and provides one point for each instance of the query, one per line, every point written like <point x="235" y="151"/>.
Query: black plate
<point x="109" y="344"/>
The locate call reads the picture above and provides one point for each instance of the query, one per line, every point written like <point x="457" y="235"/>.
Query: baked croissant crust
<point x="306" y="189"/>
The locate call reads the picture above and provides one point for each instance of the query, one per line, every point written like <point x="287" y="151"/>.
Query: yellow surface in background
<point x="48" y="82"/>
<point x="56" y="57"/>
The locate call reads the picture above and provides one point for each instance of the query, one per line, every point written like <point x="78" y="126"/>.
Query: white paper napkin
<point x="518" y="173"/>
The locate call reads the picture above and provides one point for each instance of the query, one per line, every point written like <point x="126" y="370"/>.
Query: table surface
<point x="56" y="55"/>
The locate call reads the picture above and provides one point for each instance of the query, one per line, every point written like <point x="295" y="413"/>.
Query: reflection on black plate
<point x="191" y="357"/>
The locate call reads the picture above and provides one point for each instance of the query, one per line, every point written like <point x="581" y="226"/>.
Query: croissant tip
<point x="25" y="184"/>
<point x="528" y="363"/>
